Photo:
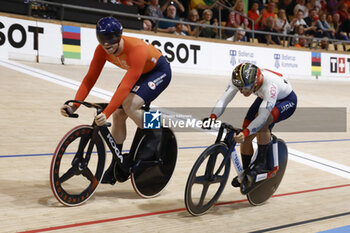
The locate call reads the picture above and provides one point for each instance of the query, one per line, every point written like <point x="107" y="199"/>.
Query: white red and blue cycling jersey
<point x="275" y="96"/>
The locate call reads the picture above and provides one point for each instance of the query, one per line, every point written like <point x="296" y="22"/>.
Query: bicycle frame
<point x="231" y="152"/>
<point x="105" y="133"/>
<point x="108" y="138"/>
<point x="111" y="143"/>
<point x="205" y="173"/>
<point x="148" y="177"/>
<point x="231" y="144"/>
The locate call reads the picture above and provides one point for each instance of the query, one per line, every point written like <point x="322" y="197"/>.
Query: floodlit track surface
<point x="311" y="198"/>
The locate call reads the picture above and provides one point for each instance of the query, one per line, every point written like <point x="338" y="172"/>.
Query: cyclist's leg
<point x="282" y="110"/>
<point x="147" y="89"/>
<point x="259" y="165"/>
<point x="263" y="138"/>
<point x="247" y="150"/>
<point x="119" y="125"/>
<point x="264" y="134"/>
<point x="119" y="135"/>
<point x="132" y="107"/>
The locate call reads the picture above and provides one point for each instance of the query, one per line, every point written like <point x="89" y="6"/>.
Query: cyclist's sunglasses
<point x="109" y="38"/>
<point x="240" y="85"/>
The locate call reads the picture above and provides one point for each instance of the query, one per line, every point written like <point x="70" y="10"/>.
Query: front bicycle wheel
<point x="207" y="179"/>
<point x="77" y="166"/>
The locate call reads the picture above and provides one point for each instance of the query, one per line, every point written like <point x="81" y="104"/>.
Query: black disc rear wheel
<point x="260" y="194"/>
<point x="150" y="176"/>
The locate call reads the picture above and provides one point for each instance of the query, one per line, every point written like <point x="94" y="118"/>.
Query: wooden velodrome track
<point x="308" y="200"/>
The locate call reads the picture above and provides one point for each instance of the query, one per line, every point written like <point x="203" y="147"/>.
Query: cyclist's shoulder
<point x="273" y="78"/>
<point x="270" y="73"/>
<point x="274" y="83"/>
<point x="132" y="42"/>
<point x="134" y="45"/>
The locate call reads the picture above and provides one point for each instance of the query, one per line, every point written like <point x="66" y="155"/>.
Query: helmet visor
<point x="240" y="85"/>
<point x="109" y="38"/>
<point x="237" y="83"/>
<point x="247" y="87"/>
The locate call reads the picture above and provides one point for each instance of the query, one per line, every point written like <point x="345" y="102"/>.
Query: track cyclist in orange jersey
<point x="276" y="101"/>
<point x="148" y="74"/>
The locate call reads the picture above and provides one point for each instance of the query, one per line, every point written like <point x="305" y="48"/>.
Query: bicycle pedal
<point x="108" y="180"/>
<point x="235" y="183"/>
<point x="120" y="175"/>
<point x="248" y="183"/>
<point x="111" y="182"/>
<point x="122" y="179"/>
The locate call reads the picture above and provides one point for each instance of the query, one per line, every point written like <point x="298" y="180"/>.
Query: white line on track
<point x="295" y="155"/>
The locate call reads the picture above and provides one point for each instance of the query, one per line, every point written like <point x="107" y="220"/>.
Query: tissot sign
<point x="17" y="35"/>
<point x="185" y="55"/>
<point x="181" y="52"/>
<point x="339" y="65"/>
<point x="25" y="37"/>
<point x="336" y="65"/>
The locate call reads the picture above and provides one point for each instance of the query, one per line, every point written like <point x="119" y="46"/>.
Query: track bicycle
<point x="210" y="172"/>
<point x="78" y="163"/>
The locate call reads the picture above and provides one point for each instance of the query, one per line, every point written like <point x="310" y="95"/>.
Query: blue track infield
<point x="345" y="229"/>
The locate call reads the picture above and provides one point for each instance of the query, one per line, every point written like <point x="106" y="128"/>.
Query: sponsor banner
<point x="220" y="58"/>
<point x="30" y="38"/>
<point x="24" y="37"/>
<point x="335" y="65"/>
<point x="3" y="48"/>
<point x="282" y="61"/>
<point x="184" y="55"/>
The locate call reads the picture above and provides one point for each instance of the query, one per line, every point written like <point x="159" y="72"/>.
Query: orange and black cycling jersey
<point x="137" y="58"/>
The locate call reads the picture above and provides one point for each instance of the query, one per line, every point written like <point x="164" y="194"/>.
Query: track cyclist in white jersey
<point x="276" y="101"/>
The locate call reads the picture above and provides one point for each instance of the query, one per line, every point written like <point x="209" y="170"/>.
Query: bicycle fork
<point x="79" y="156"/>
